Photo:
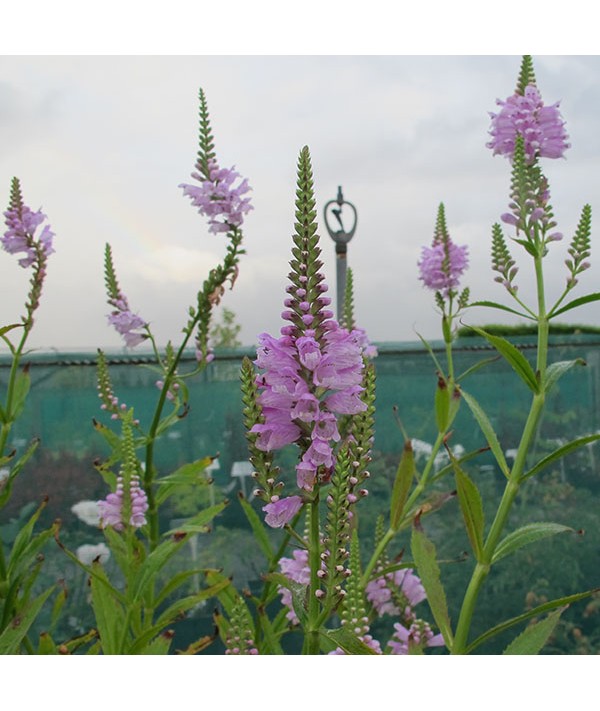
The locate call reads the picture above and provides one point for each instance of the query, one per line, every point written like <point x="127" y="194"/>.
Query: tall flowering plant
<point x="132" y="610"/>
<point x="29" y="236"/>
<point x="313" y="388"/>
<point x="525" y="131"/>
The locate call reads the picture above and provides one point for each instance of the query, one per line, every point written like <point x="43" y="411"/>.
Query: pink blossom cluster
<point x="305" y="383"/>
<point x="20" y="236"/>
<point x="297" y="570"/>
<point x="217" y="198"/>
<point x="125" y="322"/>
<point x="402" y="587"/>
<point x="542" y="127"/>
<point x="418" y="634"/>
<point x="111" y="508"/>
<point x="442" y="265"/>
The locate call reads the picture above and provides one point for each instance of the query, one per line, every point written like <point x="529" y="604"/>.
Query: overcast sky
<point x="101" y="143"/>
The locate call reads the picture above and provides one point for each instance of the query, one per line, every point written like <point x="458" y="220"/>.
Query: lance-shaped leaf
<point x="575" y="304"/>
<point x="16" y="630"/>
<point x="488" y="432"/>
<point x="147" y="571"/>
<point x="199" y="522"/>
<point x="227" y="595"/>
<point x="404" y="478"/>
<point x="258" y="528"/>
<point x="514" y="357"/>
<point x="108" y="613"/>
<point x="424" y="555"/>
<point x="186" y="475"/>
<point x="534" y="612"/>
<point x="471" y="506"/>
<point x="559" y="453"/>
<point x="160" y="644"/>
<point x="442" y="405"/>
<point x="525" y="535"/>
<point x="20" y="392"/>
<point x="299" y="594"/>
<point x="501" y="307"/>
<point x="270" y="643"/>
<point x="534" y="637"/>
<point x="557" y="370"/>
<point x="198" y="646"/>
<point x="346" y="640"/>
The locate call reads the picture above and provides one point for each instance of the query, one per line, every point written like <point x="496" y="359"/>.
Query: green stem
<point x="417" y="491"/>
<point x="152" y="515"/>
<point x="7" y="426"/>
<point x="311" y="645"/>
<point x="511" y="489"/>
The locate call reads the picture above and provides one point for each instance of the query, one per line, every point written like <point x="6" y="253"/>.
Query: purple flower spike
<point x="542" y="127"/>
<point x="111" y="508"/>
<point x="282" y="511"/>
<point x="22" y="224"/>
<point x="126" y="322"/>
<point x="442" y="265"/>
<point x="217" y="199"/>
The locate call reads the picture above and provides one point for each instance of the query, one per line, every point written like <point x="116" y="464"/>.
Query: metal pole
<point x="341" y="237"/>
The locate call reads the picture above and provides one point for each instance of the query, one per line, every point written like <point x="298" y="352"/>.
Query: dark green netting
<point x="63" y="403"/>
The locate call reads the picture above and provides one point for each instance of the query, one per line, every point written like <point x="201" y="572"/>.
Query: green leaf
<point x="199" y="522"/>
<point x="575" y="303"/>
<point x="258" y="528"/>
<point x="431" y="353"/>
<point x="16" y="470"/>
<point x="530" y="533"/>
<point x="404" y="478"/>
<point x="17" y="629"/>
<point x="46" y="644"/>
<point x="159" y="645"/>
<point x="154" y="563"/>
<point x="175" y="582"/>
<point x="488" y="432"/>
<point x="347" y="640"/>
<point x="559" y="453"/>
<point x="515" y="358"/>
<point x="442" y="405"/>
<point x="477" y="366"/>
<point x="20" y="392"/>
<point x="108" y="613"/>
<point x="228" y="595"/>
<point x="494" y="305"/>
<point x="299" y="594"/>
<point x="186" y="475"/>
<point x="424" y="554"/>
<point x="529" y="247"/>
<point x="534" y="612"/>
<point x="198" y="646"/>
<point x="174" y="611"/>
<point x="557" y="370"/>
<point x="271" y="643"/>
<point x="534" y="637"/>
<point x="472" y="508"/>
<point x="26" y="546"/>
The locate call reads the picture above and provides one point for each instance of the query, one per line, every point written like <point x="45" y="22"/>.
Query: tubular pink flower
<point x="282" y="511"/>
<point x="22" y="224"/>
<point x="125" y="322"/>
<point x="542" y="127"/>
<point x="111" y="508"/>
<point x="402" y="587"/>
<point x="419" y="634"/>
<point x="442" y="265"/>
<point x="218" y="199"/>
